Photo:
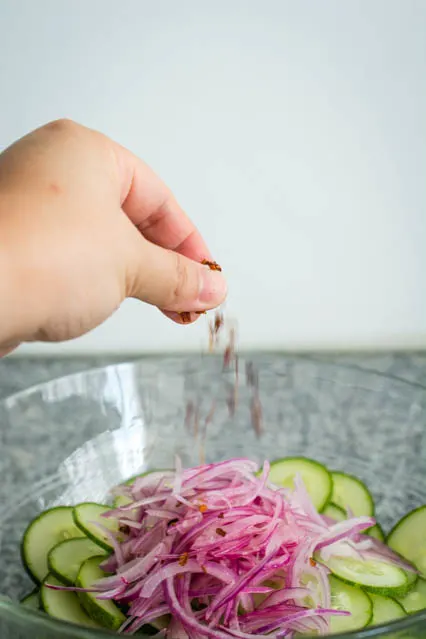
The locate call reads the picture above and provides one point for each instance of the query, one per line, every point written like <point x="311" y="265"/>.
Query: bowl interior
<point x="72" y="439"/>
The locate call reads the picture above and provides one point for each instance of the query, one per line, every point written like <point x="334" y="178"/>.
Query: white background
<point x="292" y="131"/>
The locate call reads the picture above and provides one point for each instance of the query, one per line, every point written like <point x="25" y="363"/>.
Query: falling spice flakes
<point x="213" y="266"/>
<point x="202" y="508"/>
<point x="185" y="316"/>
<point x="312" y="562"/>
<point x="256" y="415"/>
<point x="216" y="327"/>
<point x="221" y="532"/>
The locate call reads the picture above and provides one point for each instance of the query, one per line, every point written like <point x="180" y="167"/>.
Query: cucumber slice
<point x="63" y="604"/>
<point x="408" y="538"/>
<point x="315" y="476"/>
<point x="87" y="515"/>
<point x="373" y="575"/>
<point x="44" y="532"/>
<point x="352" y="599"/>
<point x="121" y="500"/>
<point x="65" y="559"/>
<point x="32" y="600"/>
<point x="385" y="609"/>
<point x="334" y="512"/>
<point x="350" y="492"/>
<point x="376" y="532"/>
<point x="416" y="598"/>
<point x="105" y="612"/>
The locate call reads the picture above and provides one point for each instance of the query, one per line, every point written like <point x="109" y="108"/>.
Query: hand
<point x="83" y="225"/>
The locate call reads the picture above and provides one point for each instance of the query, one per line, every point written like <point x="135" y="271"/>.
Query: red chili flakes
<point x="218" y="322"/>
<point x="221" y="515"/>
<point x="202" y="508"/>
<point x="185" y="316"/>
<point x="183" y="559"/>
<point x="312" y="562"/>
<point x="221" y="532"/>
<point x="213" y="266"/>
<point x="204" y="569"/>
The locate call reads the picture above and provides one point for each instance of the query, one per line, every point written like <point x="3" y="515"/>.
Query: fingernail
<point x="213" y="287"/>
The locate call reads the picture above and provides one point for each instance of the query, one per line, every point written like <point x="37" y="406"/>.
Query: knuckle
<point x="62" y="125"/>
<point x="180" y="283"/>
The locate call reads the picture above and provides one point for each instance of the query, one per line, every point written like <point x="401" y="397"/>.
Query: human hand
<point x="85" y="224"/>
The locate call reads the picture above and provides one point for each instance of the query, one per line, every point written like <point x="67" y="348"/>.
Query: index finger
<point x="151" y="206"/>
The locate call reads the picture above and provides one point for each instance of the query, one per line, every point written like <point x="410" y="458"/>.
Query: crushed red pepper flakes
<point x="213" y="266"/>
<point x="185" y="316"/>
<point x="221" y="515"/>
<point x="202" y="508"/>
<point x="183" y="559"/>
<point x="312" y="562"/>
<point x="204" y="569"/>
<point x="221" y="532"/>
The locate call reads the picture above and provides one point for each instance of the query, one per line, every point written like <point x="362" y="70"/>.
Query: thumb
<point x="173" y="282"/>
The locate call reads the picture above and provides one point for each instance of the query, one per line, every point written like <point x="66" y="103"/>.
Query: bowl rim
<point x="13" y="610"/>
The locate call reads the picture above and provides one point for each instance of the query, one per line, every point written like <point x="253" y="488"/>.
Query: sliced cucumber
<point x="352" y="599"/>
<point x="385" y="609"/>
<point x="350" y="492"/>
<point x="376" y="532"/>
<point x="32" y="600"/>
<point x="334" y="512"/>
<point x="416" y="598"/>
<point x="88" y="515"/>
<point x="408" y="538"/>
<point x="373" y="575"/>
<point x="121" y="500"/>
<point x="105" y="612"/>
<point x="44" y="532"/>
<point x="63" y="604"/>
<point x="315" y="476"/>
<point x="65" y="559"/>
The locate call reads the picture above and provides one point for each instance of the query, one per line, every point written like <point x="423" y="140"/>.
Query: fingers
<point x="174" y="282"/>
<point x="151" y="206"/>
<point x="7" y="349"/>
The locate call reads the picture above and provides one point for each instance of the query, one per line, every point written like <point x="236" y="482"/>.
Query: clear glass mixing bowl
<point x="71" y="439"/>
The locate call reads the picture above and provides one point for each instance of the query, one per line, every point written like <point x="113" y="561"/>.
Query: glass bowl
<point x="71" y="439"/>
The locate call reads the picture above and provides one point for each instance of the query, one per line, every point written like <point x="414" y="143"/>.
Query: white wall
<point x="293" y="132"/>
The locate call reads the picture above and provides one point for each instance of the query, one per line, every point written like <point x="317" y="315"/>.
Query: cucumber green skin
<point x="387" y="591"/>
<point x="407" y="603"/>
<point x="396" y="528"/>
<point x="379" y="601"/>
<point x="312" y="462"/>
<point x="60" y="576"/>
<point x="38" y="579"/>
<point x="86" y="531"/>
<point x="376" y="532"/>
<point x="112" y="618"/>
<point x="397" y="592"/>
<point x="334" y="498"/>
<point x="336" y="583"/>
<point x="81" y="618"/>
<point x="331" y="510"/>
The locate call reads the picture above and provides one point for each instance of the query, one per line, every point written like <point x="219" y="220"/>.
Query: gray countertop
<point x="19" y="373"/>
